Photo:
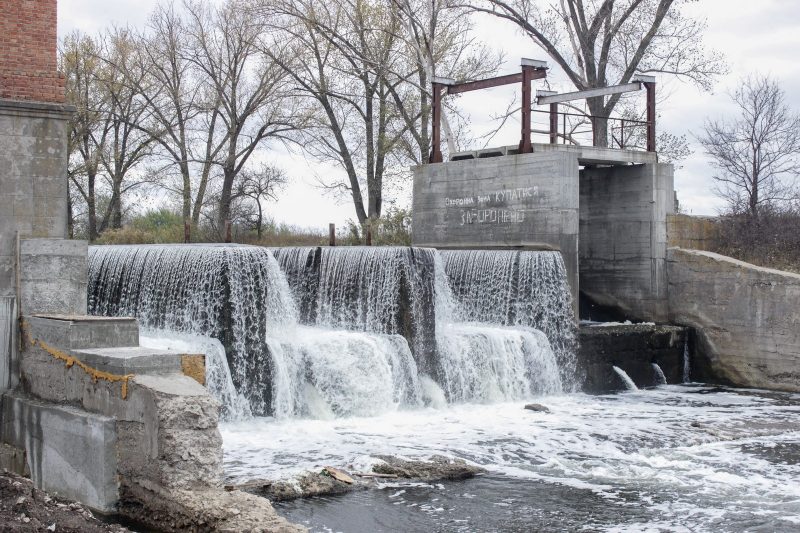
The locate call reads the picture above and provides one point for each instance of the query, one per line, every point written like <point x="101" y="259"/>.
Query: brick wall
<point x="28" y="39"/>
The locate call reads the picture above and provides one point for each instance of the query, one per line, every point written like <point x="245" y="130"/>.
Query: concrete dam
<point x="326" y="332"/>
<point x="549" y="355"/>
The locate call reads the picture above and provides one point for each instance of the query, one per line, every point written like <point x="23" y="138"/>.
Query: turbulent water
<point x="355" y="353"/>
<point x="515" y="288"/>
<point x="335" y="332"/>
<point x="674" y="458"/>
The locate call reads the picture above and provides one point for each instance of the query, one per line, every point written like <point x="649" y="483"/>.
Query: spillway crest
<point x="329" y="332"/>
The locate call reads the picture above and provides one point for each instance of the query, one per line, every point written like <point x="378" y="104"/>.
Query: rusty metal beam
<point x="436" y="120"/>
<point x="650" y="86"/>
<point x="484" y="84"/>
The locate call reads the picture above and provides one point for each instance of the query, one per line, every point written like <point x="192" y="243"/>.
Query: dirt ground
<point x="24" y="508"/>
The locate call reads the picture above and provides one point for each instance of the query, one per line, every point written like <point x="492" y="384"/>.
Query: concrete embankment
<point x="747" y="319"/>
<point x="122" y="429"/>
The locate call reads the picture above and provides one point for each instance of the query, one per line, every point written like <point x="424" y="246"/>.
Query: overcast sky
<point x="755" y="36"/>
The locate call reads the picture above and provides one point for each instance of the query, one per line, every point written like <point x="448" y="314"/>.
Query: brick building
<point x="28" y="64"/>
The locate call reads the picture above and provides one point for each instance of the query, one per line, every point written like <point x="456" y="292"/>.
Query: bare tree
<point x="436" y="41"/>
<point x="175" y="115"/>
<point x="345" y="53"/>
<point x="78" y="62"/>
<point x="126" y="145"/>
<point x="257" y="186"/>
<point x="364" y="68"/>
<point x="247" y="88"/>
<point x="602" y="43"/>
<point x="104" y="147"/>
<point x="756" y="153"/>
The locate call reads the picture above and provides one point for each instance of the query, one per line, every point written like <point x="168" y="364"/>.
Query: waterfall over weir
<point x="324" y="332"/>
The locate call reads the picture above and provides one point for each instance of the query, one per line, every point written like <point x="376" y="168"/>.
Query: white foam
<point x="643" y="442"/>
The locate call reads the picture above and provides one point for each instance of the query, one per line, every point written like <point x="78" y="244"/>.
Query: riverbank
<point x="24" y="508"/>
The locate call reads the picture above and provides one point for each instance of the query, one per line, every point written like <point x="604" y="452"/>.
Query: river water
<point x="334" y="345"/>
<point x="673" y="458"/>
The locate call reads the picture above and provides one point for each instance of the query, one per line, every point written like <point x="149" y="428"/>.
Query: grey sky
<point x="761" y="36"/>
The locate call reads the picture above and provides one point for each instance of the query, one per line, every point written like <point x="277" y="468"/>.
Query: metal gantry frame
<point x="648" y="82"/>
<point x="533" y="69"/>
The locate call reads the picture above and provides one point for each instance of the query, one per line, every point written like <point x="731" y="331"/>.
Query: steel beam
<point x="589" y="93"/>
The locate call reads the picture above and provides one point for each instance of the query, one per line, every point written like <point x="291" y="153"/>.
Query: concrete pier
<point x="608" y="219"/>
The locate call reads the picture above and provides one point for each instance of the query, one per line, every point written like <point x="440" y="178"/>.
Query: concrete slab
<point x="69" y="451"/>
<point x="73" y="332"/>
<point x="131" y="360"/>
<point x="593" y="155"/>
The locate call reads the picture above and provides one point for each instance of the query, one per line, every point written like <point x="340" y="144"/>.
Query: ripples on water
<point x="675" y="458"/>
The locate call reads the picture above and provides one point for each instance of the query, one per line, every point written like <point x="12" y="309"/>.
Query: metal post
<point x="554" y="123"/>
<point x="525" y="140"/>
<point x="650" y="87"/>
<point x="436" y="124"/>
<point x="331" y="234"/>
<point x="187" y="232"/>
<point x="228" y="231"/>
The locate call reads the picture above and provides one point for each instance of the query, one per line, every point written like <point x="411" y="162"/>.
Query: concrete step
<point x="83" y="331"/>
<point x="131" y="360"/>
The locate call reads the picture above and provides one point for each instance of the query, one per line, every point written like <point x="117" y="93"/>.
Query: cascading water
<point x="231" y="293"/>
<point x="386" y="290"/>
<point x="487" y="361"/>
<point x="661" y="379"/>
<point x="516" y="289"/>
<point x="343" y="331"/>
<point x="626" y="379"/>
<point x="686" y="361"/>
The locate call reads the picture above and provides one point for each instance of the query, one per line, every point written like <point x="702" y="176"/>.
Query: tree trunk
<point x="187" y="193"/>
<point x="259" y="220"/>
<point x="116" y="204"/>
<point x="226" y="196"/>
<point x="91" y="207"/>
<point x="599" y="121"/>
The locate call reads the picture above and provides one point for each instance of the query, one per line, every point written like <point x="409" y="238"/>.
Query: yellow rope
<point x="70" y="361"/>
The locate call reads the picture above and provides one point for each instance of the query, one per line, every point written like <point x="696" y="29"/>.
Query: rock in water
<point x="338" y="475"/>
<point x="537" y="407"/>
<point x="437" y="468"/>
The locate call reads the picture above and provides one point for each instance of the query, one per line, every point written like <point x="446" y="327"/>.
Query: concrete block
<point x="748" y="318"/>
<point x="527" y="201"/>
<point x="623" y="237"/>
<point x="53" y="276"/>
<point x="69" y="451"/>
<point x="131" y="360"/>
<point x="73" y="332"/>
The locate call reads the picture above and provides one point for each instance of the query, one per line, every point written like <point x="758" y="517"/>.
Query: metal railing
<point x="578" y="129"/>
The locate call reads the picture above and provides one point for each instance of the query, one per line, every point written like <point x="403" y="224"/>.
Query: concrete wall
<point x="623" y="237"/>
<point x="9" y="355"/>
<point x="69" y="451"/>
<point x="748" y="318"/>
<point x="516" y="201"/>
<point x="693" y="233"/>
<point x="633" y="348"/>
<point x="53" y="276"/>
<point x="33" y="170"/>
